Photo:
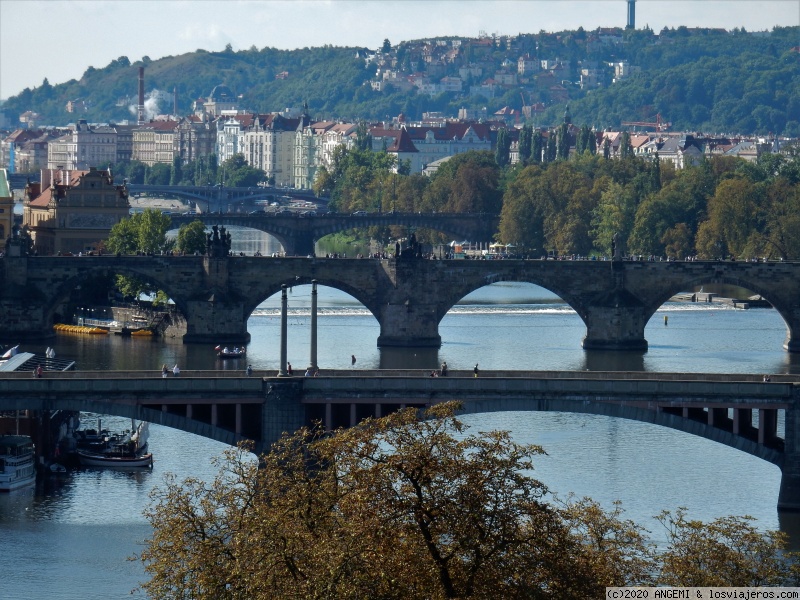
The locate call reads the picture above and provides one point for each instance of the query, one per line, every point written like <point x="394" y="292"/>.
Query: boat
<point x="228" y="353"/>
<point x="17" y="462"/>
<point x="121" y="451"/>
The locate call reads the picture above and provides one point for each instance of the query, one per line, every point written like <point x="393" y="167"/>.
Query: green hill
<point x="709" y="80"/>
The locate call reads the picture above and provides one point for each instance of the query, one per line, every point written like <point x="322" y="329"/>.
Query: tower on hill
<point x="631" y="14"/>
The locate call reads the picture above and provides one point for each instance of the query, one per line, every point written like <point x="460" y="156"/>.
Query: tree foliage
<point x="192" y="238"/>
<point x="692" y="78"/>
<point x="417" y="507"/>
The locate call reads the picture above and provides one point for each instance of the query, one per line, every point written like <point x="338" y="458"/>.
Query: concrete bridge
<point x="740" y="411"/>
<point x="298" y="232"/>
<point x="408" y="297"/>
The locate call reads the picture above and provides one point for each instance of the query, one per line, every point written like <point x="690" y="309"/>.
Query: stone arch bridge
<point x="229" y="407"/>
<point x="408" y="297"/>
<point x="298" y="232"/>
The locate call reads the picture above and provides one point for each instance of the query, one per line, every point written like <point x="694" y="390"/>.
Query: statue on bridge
<point x="19" y="243"/>
<point x="413" y="250"/>
<point x="218" y="242"/>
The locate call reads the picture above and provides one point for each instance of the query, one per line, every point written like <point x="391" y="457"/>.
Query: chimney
<point x="175" y="100"/>
<point x="140" y="111"/>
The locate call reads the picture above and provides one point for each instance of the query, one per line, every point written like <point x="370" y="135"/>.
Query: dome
<point x="221" y="93"/>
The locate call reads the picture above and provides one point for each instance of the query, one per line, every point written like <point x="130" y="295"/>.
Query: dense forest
<point x="699" y="80"/>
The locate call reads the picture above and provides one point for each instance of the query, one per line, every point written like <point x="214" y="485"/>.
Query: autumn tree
<point x="407" y="506"/>
<point x="727" y="552"/>
<point x="415" y="506"/>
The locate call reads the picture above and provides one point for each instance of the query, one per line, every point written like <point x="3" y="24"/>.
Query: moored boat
<point x="17" y="462"/>
<point x="110" y="459"/>
<point x="126" y="450"/>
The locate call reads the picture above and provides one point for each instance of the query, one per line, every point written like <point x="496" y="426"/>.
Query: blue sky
<point x="59" y="39"/>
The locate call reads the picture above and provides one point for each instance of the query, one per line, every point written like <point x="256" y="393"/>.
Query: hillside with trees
<point x="710" y="80"/>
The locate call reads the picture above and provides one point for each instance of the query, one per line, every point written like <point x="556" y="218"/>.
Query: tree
<point x="176" y="175"/>
<point x="503" y="147"/>
<point x="729" y="551"/>
<point x="387" y="46"/>
<point x="525" y="144"/>
<point x="192" y="238"/>
<point x="238" y="173"/>
<point x="398" y="507"/>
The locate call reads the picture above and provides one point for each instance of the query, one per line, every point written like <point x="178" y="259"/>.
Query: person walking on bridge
<point x="352" y="360"/>
<point x="175" y="370"/>
<point x="475" y="370"/>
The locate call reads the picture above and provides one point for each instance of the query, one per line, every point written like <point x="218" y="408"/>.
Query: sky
<point x="60" y="39"/>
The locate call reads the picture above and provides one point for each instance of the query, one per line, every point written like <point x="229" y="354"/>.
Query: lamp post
<point x="313" y="358"/>
<point x="284" y="305"/>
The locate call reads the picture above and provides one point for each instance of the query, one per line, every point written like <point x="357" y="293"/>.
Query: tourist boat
<point x="121" y="451"/>
<point x="227" y="353"/>
<point x="17" y="462"/>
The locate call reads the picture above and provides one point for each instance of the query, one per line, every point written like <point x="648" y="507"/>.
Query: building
<point x="194" y="137"/>
<point x="221" y="99"/>
<point x="83" y="146"/>
<point x="153" y="142"/>
<point x="73" y="210"/>
<point x="6" y="207"/>
<point x="268" y="143"/>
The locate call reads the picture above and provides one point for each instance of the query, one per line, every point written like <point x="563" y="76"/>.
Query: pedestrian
<point x="352" y="360"/>
<point x="39" y="371"/>
<point x="289" y="369"/>
<point x="175" y="370"/>
<point x="666" y="320"/>
<point x="249" y="370"/>
<point x="475" y="370"/>
<point x="444" y="369"/>
<point x="164" y="371"/>
<point x="308" y="372"/>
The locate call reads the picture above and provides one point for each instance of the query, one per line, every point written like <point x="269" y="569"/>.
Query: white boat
<point x="17" y="462"/>
<point x="126" y="450"/>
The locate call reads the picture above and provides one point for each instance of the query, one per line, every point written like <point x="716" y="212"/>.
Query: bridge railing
<point x="421" y="373"/>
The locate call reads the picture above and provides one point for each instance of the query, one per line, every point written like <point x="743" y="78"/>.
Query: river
<point x="71" y="537"/>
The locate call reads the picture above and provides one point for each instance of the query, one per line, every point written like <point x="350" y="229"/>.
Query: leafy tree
<point x="537" y="145"/>
<point x="525" y="144"/>
<point x="727" y="552"/>
<point x="176" y="176"/>
<point x="387" y="46"/>
<point x="192" y="238"/>
<point x="398" y="507"/>
<point x="503" y="147"/>
<point x="238" y="173"/>
<point x="613" y="215"/>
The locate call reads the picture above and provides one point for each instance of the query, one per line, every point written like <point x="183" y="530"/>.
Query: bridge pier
<point x="213" y="322"/>
<point x="789" y="495"/>
<point x="616" y="327"/>
<point x="409" y="325"/>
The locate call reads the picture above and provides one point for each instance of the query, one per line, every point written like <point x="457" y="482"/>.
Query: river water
<point x="71" y="537"/>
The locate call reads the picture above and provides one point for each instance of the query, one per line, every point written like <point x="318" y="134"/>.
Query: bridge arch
<point x="772" y="453"/>
<point x="273" y="287"/>
<point x="671" y="289"/>
<point x="65" y="287"/>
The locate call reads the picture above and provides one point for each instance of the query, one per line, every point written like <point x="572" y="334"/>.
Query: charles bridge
<point x="407" y="296"/>
<point x="740" y="411"/>
<point x="298" y="232"/>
